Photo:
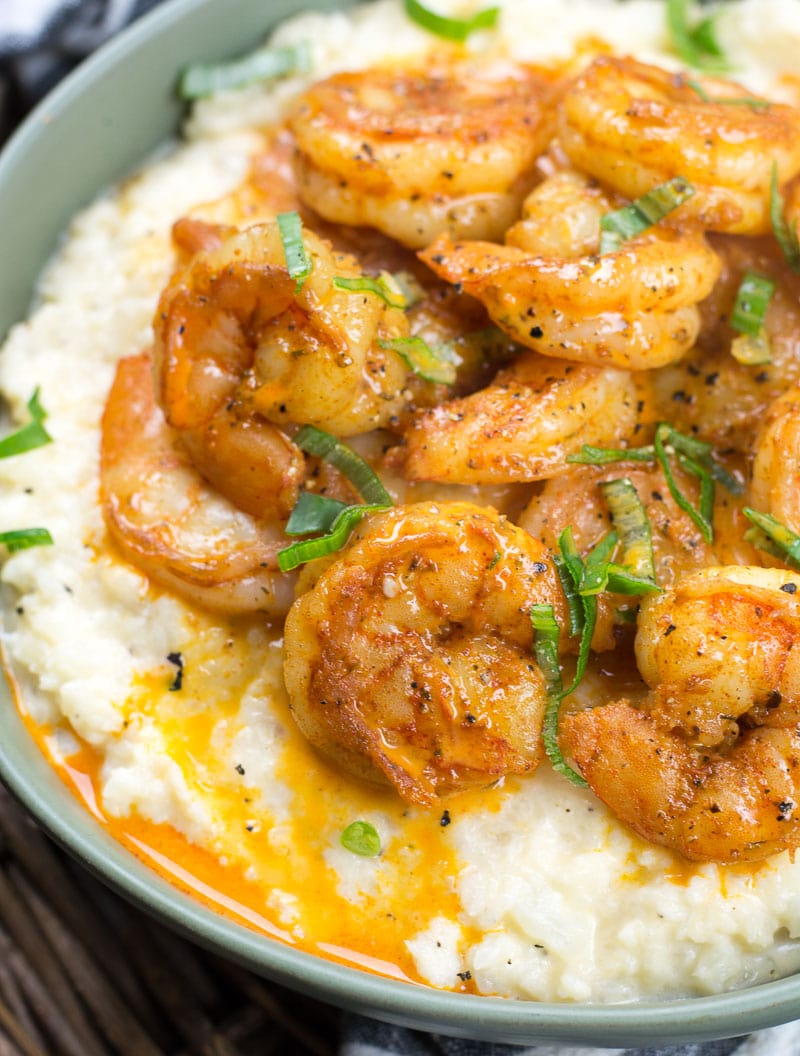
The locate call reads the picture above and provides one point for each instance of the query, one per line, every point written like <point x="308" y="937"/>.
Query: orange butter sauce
<point x="369" y="933"/>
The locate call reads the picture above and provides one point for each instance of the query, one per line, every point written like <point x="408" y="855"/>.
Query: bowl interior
<point x="99" y="124"/>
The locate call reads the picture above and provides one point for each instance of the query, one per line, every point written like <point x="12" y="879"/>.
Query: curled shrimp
<point x="410" y="660"/>
<point x="709" y="764"/>
<point x="635" y="126"/>
<point x="241" y="352"/>
<point x="634" y="307"/>
<point x="166" y="519"/>
<point x="775" y="483"/>
<point x="418" y="152"/>
<point x="522" y="426"/>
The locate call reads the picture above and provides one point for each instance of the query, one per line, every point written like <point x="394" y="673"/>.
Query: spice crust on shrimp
<point x="709" y="764"/>
<point x="417" y="152"/>
<point x="241" y="352"/>
<point x="634" y="126"/>
<point x="410" y="660"/>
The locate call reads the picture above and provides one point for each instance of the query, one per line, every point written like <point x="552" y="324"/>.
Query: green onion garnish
<point x="313" y="513"/>
<point x="642" y="213"/>
<point x="29" y="436"/>
<point x="745" y="100"/>
<point x="752" y="300"/>
<point x="433" y="364"/>
<point x="545" y="647"/>
<point x="575" y="566"/>
<point x="786" y="235"/>
<point x="697" y="45"/>
<point x="298" y="262"/>
<point x="752" y="347"/>
<point x="262" y="65"/>
<point x="630" y="520"/>
<point x="299" y="553"/>
<point x="331" y="449"/>
<point x="318" y="513"/>
<point x="574" y="600"/>
<point x="25" y="538"/>
<point x="382" y="286"/>
<point x="773" y="537"/>
<point x="457" y="29"/>
<point x="362" y="838"/>
<point x="595" y="566"/>
<point x="695" y="456"/>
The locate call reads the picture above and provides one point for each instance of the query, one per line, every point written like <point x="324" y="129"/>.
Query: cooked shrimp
<point x="709" y="765"/>
<point x="635" y="126"/>
<point x="634" y="308"/>
<point x="709" y="393"/>
<point x="410" y="660"/>
<point x="523" y="425"/>
<point x="561" y="217"/>
<point x="775" y="484"/>
<point x="240" y="351"/>
<point x="416" y="153"/>
<point x="168" y="522"/>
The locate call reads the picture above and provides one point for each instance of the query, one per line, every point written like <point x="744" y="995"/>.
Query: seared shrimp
<point x="635" y="126"/>
<point x="168" y="522"/>
<point x="634" y="308"/>
<point x="709" y="765"/>
<point x="709" y="393"/>
<point x="416" y="153"/>
<point x="775" y="485"/>
<point x="410" y="660"/>
<point x="240" y="351"/>
<point x="523" y="425"/>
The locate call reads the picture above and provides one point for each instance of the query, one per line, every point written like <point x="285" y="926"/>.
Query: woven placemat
<point x="84" y="974"/>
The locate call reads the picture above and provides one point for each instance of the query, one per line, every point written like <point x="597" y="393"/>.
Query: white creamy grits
<point x="540" y="894"/>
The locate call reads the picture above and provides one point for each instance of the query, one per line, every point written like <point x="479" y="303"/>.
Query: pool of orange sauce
<point x="371" y="937"/>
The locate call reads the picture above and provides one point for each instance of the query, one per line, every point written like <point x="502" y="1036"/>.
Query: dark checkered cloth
<point x="40" y="41"/>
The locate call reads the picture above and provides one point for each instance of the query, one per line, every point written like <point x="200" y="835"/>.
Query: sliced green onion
<point x="411" y="290"/>
<point x="362" y="838"/>
<point x="595" y="566"/>
<point x="662" y="437"/>
<point x="299" y="553"/>
<point x="622" y="581"/>
<point x="382" y="286"/>
<point x="629" y="518"/>
<point x="751" y="351"/>
<point x="786" y="235"/>
<point x="432" y="364"/>
<point x="605" y="456"/>
<point x="574" y="564"/>
<point x="752" y="300"/>
<point x="457" y="29"/>
<point x="574" y="600"/>
<point x="745" y="100"/>
<point x="298" y="262"/>
<point x="262" y="65"/>
<point x="29" y="436"/>
<point x="697" y="45"/>
<point x="545" y="646"/>
<point x="642" y="213"/>
<point x="331" y="449"/>
<point x="313" y="513"/>
<point x="774" y="537"/>
<point x="25" y="538"/>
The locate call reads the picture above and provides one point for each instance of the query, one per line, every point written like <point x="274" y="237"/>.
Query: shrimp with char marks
<point x="411" y="658"/>
<point x="241" y="352"/>
<point x="709" y="763"/>
<point x="634" y="307"/>
<point x="417" y="152"/>
<point x="635" y="126"/>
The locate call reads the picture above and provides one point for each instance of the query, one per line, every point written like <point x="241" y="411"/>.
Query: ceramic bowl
<point x="99" y="123"/>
